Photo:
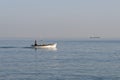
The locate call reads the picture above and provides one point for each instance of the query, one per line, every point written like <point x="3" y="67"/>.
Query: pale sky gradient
<point x="59" y="18"/>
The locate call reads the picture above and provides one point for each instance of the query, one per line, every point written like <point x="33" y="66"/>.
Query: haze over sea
<point x="73" y="60"/>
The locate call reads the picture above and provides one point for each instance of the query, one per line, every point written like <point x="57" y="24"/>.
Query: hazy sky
<point x="59" y="18"/>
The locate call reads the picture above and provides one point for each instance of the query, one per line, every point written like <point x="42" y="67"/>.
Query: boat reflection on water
<point x="50" y="49"/>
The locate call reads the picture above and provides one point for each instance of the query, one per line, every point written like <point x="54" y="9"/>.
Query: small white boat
<point x="54" y="45"/>
<point x="45" y="46"/>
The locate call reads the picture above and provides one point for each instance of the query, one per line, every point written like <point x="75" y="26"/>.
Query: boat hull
<point x="45" y="46"/>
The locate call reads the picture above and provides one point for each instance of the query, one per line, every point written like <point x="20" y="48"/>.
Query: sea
<point x="71" y="60"/>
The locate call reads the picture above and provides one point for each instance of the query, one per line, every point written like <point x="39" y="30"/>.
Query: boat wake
<point x="13" y="47"/>
<point x="7" y="47"/>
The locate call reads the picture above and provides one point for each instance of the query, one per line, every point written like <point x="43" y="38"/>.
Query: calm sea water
<point x="73" y="60"/>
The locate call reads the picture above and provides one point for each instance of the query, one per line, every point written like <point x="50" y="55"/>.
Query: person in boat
<point x="35" y="43"/>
